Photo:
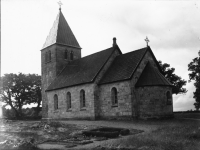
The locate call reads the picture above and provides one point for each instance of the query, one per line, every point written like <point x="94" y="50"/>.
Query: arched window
<point x="46" y="57"/>
<point x="71" y="55"/>
<point x="69" y="103"/>
<point x="66" y="54"/>
<point x="82" y="98"/>
<point x="114" y="96"/>
<point x="169" y="98"/>
<point x="49" y="56"/>
<point x="55" y="102"/>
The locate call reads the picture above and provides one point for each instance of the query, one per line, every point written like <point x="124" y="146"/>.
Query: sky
<point x="173" y="28"/>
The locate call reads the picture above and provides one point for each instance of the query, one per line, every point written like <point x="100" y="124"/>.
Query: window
<point x="169" y="98"/>
<point x="66" y="54"/>
<point x="55" y="102"/>
<point x="114" y="96"/>
<point x="71" y="55"/>
<point x="49" y="56"/>
<point x="69" y="103"/>
<point x="82" y="98"/>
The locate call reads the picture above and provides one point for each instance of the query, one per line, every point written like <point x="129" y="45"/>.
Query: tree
<point x="176" y="81"/>
<point x="36" y="95"/>
<point x="194" y="67"/>
<point x="19" y="90"/>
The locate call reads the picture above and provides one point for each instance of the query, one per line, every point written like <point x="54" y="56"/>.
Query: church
<point x="104" y="85"/>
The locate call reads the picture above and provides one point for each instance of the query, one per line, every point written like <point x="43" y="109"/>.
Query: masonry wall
<point x="52" y="68"/>
<point x="76" y="111"/>
<point x="60" y="54"/>
<point x="97" y="99"/>
<point x="124" y="109"/>
<point x="138" y="110"/>
<point x="135" y="99"/>
<point x="153" y="102"/>
<point x="48" y="74"/>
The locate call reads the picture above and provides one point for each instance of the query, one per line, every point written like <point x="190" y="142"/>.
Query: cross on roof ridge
<point x="147" y="40"/>
<point x="60" y="3"/>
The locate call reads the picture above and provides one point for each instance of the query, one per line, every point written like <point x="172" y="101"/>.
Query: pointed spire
<point x="61" y="33"/>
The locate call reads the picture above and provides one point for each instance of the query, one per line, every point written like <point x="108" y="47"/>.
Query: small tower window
<point x="114" y="96"/>
<point x="71" y="55"/>
<point x="55" y="102"/>
<point x="82" y="98"/>
<point x="169" y="98"/>
<point x="69" y="100"/>
<point x="49" y="56"/>
<point x="66" y="54"/>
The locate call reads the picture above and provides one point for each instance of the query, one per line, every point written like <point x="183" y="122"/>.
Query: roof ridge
<point x="139" y="61"/>
<point x="89" y="67"/>
<point x="134" y="51"/>
<point x="113" y="49"/>
<point x="96" y="52"/>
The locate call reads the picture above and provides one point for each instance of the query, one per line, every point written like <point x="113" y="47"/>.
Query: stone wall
<point x="48" y="74"/>
<point x="107" y="110"/>
<point x="147" y="58"/>
<point x="136" y="99"/>
<point x="98" y="78"/>
<point x="153" y="102"/>
<point x="76" y="111"/>
<point x="60" y="54"/>
<point x="52" y="68"/>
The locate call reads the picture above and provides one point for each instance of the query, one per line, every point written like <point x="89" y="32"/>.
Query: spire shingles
<point x="61" y="33"/>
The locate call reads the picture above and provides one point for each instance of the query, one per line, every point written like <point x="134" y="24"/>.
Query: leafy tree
<point x="19" y="90"/>
<point x="194" y="67"/>
<point x="177" y="81"/>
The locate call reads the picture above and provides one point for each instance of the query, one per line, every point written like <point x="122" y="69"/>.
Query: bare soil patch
<point x="30" y="135"/>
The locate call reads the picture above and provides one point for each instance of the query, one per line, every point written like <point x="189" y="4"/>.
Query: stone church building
<point x="106" y="84"/>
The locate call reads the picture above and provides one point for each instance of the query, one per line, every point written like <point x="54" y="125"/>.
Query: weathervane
<point x="147" y="40"/>
<point x="60" y="3"/>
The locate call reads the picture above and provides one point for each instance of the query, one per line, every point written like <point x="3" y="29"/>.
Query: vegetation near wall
<point x="28" y="113"/>
<point x="18" y="90"/>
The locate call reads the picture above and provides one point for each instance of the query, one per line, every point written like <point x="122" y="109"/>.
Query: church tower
<point x="59" y="49"/>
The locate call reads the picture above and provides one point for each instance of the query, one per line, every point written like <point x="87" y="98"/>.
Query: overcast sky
<point x="173" y="29"/>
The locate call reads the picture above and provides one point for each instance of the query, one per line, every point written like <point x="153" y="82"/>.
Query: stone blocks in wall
<point x="123" y="108"/>
<point x="153" y="101"/>
<point x="76" y="111"/>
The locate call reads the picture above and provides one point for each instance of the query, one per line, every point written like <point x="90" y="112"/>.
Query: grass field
<point x="195" y="115"/>
<point x="170" y="135"/>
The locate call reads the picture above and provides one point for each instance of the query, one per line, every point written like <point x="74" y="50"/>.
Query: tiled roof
<point x="151" y="77"/>
<point x="123" y="66"/>
<point x="61" y="33"/>
<point x="82" y="70"/>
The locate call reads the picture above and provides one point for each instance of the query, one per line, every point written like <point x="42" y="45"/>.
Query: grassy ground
<point x="170" y="135"/>
<point x="187" y="115"/>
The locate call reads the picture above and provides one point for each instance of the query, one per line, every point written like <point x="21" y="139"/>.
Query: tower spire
<point x="61" y="32"/>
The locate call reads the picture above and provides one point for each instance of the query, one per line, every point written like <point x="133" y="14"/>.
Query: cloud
<point x="184" y="101"/>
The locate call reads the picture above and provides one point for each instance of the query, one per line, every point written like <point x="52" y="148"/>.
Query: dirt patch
<point x="42" y="135"/>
